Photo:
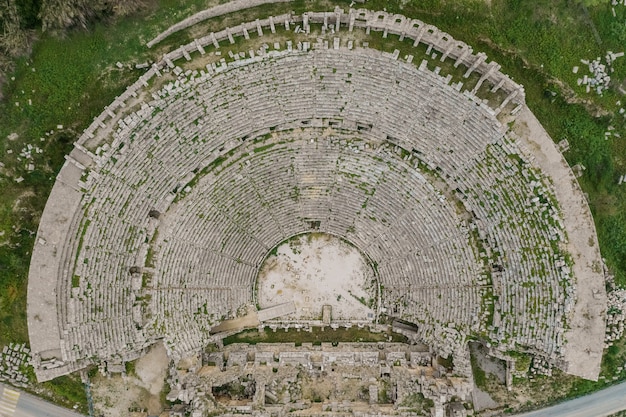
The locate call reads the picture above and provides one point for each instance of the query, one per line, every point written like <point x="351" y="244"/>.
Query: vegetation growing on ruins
<point x="68" y="391"/>
<point x="51" y="94"/>
<point x="417" y="403"/>
<point x="316" y="336"/>
<point x="480" y="377"/>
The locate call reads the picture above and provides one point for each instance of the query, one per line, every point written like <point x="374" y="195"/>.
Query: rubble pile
<point x="540" y="366"/>
<point x="27" y="154"/>
<point x="600" y="79"/>
<point x="14" y="358"/>
<point x="616" y="316"/>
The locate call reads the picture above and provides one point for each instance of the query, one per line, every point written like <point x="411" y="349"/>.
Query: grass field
<point x="56" y="91"/>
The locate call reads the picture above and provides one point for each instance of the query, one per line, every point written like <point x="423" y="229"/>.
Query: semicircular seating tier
<point x="160" y="232"/>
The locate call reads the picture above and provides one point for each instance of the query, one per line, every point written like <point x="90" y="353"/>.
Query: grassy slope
<point x="70" y="80"/>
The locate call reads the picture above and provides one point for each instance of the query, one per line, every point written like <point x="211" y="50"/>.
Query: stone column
<point x="199" y="47"/>
<point x="156" y="70"/>
<point x="272" y="27"/>
<point x="480" y="58"/>
<point x="185" y="53"/>
<point x="498" y="86"/>
<point x="420" y="33"/>
<point x="493" y="66"/>
<point x="448" y="50"/>
<point x="305" y="23"/>
<point x="466" y="51"/>
<point x="506" y="101"/>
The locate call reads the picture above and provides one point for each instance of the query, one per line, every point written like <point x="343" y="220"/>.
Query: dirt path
<point x="118" y="395"/>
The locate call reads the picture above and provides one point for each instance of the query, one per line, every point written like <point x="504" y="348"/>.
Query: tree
<point x="124" y="7"/>
<point x="63" y="14"/>
<point x="13" y="37"/>
<point x="28" y="10"/>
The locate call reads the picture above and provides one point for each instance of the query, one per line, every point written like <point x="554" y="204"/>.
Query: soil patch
<point x="139" y="390"/>
<point x="317" y="269"/>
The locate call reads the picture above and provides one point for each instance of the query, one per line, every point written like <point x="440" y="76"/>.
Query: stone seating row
<point x="184" y="265"/>
<point x="453" y="48"/>
<point x="429" y="308"/>
<point x="202" y="191"/>
<point x="172" y="143"/>
<point x="187" y="316"/>
<point x="157" y="150"/>
<point x="524" y="250"/>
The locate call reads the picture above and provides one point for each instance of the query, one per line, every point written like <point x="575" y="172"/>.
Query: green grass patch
<point x="68" y="391"/>
<point x="480" y="377"/>
<point x="263" y="148"/>
<point x="130" y="367"/>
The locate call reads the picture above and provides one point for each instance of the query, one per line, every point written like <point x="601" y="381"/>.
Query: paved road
<point x="599" y="404"/>
<point x="15" y="403"/>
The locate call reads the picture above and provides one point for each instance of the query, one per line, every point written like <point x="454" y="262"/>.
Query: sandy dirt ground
<point x="318" y="269"/>
<point x="249" y="320"/>
<point x="119" y="396"/>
